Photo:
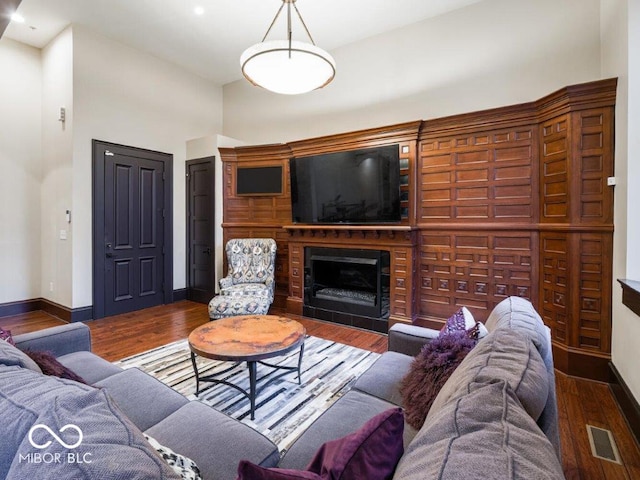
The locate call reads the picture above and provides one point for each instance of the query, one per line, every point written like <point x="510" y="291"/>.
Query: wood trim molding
<point x="255" y="153"/>
<point x="18" y="308"/>
<point x="403" y="132"/>
<point x="581" y="363"/>
<point x="631" y="294"/>
<point x="598" y="94"/>
<point x="179" y="294"/>
<point x="601" y="93"/>
<point x="80" y="314"/>
<point x="626" y="401"/>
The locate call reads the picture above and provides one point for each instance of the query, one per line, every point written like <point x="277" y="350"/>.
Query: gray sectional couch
<point x="495" y="417"/>
<point x="215" y="441"/>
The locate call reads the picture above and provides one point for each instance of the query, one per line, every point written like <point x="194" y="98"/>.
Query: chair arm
<point x="409" y="339"/>
<point x="60" y="340"/>
<point x="270" y="282"/>
<point x="226" y="282"/>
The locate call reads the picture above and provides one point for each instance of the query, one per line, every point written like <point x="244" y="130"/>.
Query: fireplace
<point x="347" y="286"/>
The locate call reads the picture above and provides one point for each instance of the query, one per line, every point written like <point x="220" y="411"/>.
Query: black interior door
<point x="200" y="233"/>
<point x="132" y="229"/>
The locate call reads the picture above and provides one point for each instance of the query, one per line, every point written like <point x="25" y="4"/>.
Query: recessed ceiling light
<point x="16" y="17"/>
<point x="198" y="10"/>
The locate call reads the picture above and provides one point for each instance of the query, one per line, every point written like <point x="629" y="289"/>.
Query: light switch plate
<point x="63" y="234"/>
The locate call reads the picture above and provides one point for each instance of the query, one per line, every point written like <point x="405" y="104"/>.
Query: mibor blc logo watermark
<point x="71" y="440"/>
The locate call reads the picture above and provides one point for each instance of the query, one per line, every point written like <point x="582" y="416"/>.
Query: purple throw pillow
<point x="5" y="335"/>
<point x="371" y="452"/>
<point x="51" y="366"/>
<point x="463" y="321"/>
<point x="429" y="371"/>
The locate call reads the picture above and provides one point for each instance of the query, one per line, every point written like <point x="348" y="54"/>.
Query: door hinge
<point x="107" y="153"/>
<point x="164" y="213"/>
<point x="163" y="177"/>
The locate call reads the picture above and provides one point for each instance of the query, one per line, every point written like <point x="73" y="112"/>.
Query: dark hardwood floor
<point x="580" y="402"/>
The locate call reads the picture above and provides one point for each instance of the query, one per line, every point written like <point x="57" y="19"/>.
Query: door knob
<point x="207" y="250"/>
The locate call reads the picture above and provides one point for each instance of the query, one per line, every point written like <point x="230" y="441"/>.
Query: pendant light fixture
<point x="287" y="66"/>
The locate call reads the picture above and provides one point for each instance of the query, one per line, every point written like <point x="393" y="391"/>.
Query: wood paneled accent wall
<point x="508" y="201"/>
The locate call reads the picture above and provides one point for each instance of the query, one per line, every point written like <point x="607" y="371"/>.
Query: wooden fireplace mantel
<point x="508" y="201"/>
<point x="391" y="232"/>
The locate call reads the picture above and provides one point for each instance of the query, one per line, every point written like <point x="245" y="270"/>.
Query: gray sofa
<point x="495" y="417"/>
<point x="113" y="441"/>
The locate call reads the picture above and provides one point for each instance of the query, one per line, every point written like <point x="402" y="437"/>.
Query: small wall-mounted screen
<point x="259" y="180"/>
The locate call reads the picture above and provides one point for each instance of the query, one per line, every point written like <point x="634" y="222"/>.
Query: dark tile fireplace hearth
<point x="347" y="286"/>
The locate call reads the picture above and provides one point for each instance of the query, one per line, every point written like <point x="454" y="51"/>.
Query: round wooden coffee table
<point x="246" y="338"/>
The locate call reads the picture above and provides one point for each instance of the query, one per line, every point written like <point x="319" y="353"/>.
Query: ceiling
<point x="210" y="44"/>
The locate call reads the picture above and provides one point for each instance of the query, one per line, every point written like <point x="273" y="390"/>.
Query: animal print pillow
<point x="183" y="466"/>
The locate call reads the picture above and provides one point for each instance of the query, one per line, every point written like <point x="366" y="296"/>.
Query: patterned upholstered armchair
<point x="248" y="288"/>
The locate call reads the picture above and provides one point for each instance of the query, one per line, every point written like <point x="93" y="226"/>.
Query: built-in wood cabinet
<point x="508" y="201"/>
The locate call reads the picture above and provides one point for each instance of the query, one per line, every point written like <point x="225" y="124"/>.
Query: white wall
<point x="57" y="156"/>
<point x="490" y="54"/>
<point x="124" y="96"/>
<point x="620" y="30"/>
<point x="20" y="171"/>
<point x="633" y="220"/>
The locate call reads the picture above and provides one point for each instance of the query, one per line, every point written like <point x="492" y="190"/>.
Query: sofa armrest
<point x="409" y="339"/>
<point x="60" y="340"/>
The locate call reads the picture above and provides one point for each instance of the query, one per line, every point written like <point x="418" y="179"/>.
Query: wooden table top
<point x="247" y="337"/>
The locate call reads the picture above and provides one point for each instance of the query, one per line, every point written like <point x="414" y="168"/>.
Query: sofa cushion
<point x="247" y="290"/>
<point x="429" y="371"/>
<point x="215" y="441"/>
<point x="518" y="314"/>
<point x="132" y="389"/>
<point x="371" y="452"/>
<point x="347" y="415"/>
<point x="89" y="366"/>
<point x="183" y="466"/>
<point x="483" y="434"/>
<point x="51" y="366"/>
<point x="10" y="355"/>
<point x="77" y="424"/>
<point x="506" y="355"/>
<point x="382" y="379"/>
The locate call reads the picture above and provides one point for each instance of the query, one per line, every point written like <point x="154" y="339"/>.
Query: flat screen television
<point x="353" y="187"/>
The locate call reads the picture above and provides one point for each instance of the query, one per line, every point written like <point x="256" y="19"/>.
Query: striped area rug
<point x="284" y="409"/>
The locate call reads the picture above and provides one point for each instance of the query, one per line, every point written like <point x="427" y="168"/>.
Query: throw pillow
<point x="51" y="366"/>
<point x="429" y="371"/>
<point x="5" y="335"/>
<point x="463" y="320"/>
<point x="183" y="466"/>
<point x="371" y="452"/>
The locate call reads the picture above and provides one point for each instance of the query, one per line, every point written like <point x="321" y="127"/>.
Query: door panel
<point x="130" y="265"/>
<point x="133" y="233"/>
<point x="200" y="244"/>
